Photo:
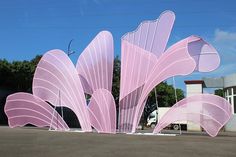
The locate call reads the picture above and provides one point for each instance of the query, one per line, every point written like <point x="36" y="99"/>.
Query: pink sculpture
<point x="25" y="108"/>
<point x="145" y="63"/>
<point x="210" y="111"/>
<point x="102" y="110"/>
<point x="56" y="79"/>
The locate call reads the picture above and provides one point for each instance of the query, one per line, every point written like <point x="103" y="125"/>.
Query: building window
<point x="234" y="89"/>
<point x="234" y="104"/>
<point x="230" y="96"/>
<point x="230" y="91"/>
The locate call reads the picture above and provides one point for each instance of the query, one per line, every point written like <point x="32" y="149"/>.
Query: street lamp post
<point x="69" y="52"/>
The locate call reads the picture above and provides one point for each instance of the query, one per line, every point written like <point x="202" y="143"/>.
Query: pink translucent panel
<point x="25" y="108"/>
<point x="139" y="53"/>
<point x="95" y="64"/>
<point x="136" y="64"/>
<point x="143" y="66"/>
<point x="205" y="55"/>
<point x="56" y="81"/>
<point x="173" y="62"/>
<point x="210" y="111"/>
<point x="127" y="109"/>
<point x="153" y="36"/>
<point x="168" y="65"/>
<point x="102" y="111"/>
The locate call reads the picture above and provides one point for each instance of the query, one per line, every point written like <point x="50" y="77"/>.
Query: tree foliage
<point x="165" y="95"/>
<point x="116" y="79"/>
<point x="17" y="75"/>
<point x="165" y="98"/>
<point x="219" y="92"/>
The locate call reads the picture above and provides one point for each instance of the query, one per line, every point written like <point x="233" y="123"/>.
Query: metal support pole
<point x="156" y="97"/>
<point x="69" y="52"/>
<point x="50" y="127"/>
<point x="176" y="100"/>
<point x="62" y="112"/>
<point x="157" y="105"/>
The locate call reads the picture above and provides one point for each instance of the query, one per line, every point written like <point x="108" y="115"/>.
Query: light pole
<point x="69" y="52"/>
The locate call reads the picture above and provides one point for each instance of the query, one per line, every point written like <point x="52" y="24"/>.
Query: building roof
<point x="194" y="82"/>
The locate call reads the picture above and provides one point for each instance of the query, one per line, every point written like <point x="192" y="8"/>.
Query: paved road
<point x="32" y="142"/>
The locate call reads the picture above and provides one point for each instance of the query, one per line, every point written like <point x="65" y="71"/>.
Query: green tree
<point x="5" y="73"/>
<point x="165" y="98"/>
<point x="165" y="95"/>
<point x="36" y="60"/>
<point x="116" y="80"/>
<point x="219" y="92"/>
<point x="17" y="75"/>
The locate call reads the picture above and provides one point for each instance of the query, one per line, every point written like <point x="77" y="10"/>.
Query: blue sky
<point x="31" y="27"/>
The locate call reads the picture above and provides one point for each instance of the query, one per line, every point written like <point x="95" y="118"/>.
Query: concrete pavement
<point x="33" y="142"/>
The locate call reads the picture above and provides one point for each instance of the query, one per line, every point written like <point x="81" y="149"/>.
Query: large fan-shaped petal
<point x="25" y="108"/>
<point x="139" y="53"/>
<point x="56" y="79"/>
<point x="179" y="59"/>
<point x="102" y="110"/>
<point x="153" y="35"/>
<point x="95" y="64"/>
<point x="210" y="111"/>
<point x="205" y="55"/>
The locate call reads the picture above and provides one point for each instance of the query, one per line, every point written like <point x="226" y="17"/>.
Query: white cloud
<point x="225" y="40"/>
<point x="225" y="43"/>
<point x="224" y="36"/>
<point x="224" y="69"/>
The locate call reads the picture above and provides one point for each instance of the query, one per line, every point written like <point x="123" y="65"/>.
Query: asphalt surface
<point x="33" y="142"/>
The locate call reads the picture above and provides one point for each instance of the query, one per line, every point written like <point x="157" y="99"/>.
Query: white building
<point x="193" y="87"/>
